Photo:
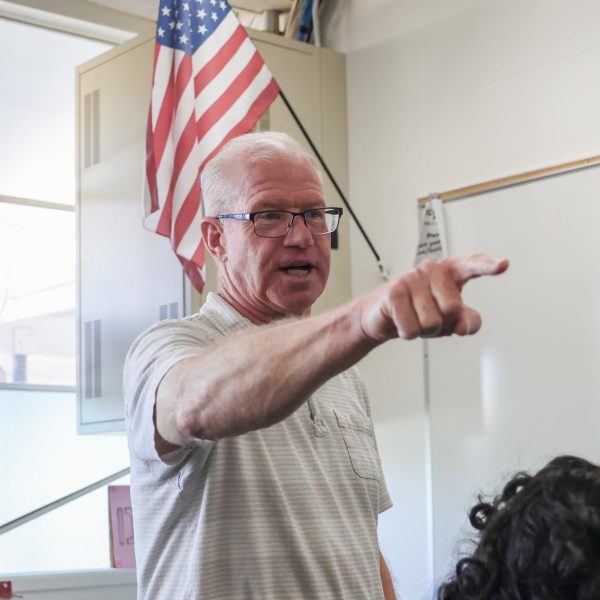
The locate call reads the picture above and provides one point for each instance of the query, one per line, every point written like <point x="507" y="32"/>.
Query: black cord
<point x="334" y="182"/>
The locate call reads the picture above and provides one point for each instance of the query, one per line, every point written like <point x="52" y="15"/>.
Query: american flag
<point x="210" y="84"/>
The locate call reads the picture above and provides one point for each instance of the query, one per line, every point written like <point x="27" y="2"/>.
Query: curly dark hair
<point x="538" y="540"/>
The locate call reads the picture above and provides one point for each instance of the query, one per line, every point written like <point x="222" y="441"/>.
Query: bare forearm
<point x="386" y="580"/>
<point x="258" y="378"/>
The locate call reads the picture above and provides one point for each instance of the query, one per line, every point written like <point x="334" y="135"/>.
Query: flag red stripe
<point x="185" y="145"/>
<point x="186" y="214"/>
<point x="164" y="223"/>
<point x="151" y="165"/>
<point x="199" y="254"/>
<point x="152" y="161"/>
<point x="164" y="122"/>
<point x="184" y="74"/>
<point x="230" y="95"/>
<point x="258" y="107"/>
<point x="191" y="270"/>
<point x="215" y="65"/>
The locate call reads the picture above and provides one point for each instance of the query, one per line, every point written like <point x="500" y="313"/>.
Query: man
<point x="254" y="468"/>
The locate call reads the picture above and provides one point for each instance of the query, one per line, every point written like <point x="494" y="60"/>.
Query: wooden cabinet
<point x="128" y="278"/>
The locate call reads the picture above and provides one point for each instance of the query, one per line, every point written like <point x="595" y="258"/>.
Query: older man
<point x="255" y="473"/>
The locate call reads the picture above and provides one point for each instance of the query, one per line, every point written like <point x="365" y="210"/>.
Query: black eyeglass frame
<point x="252" y="216"/>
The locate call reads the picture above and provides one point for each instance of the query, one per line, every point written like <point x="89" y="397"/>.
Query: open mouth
<point x="298" y="269"/>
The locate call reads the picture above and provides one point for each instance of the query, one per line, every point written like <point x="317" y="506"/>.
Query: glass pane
<point x="44" y="459"/>
<point x="37" y="103"/>
<point x="37" y="295"/>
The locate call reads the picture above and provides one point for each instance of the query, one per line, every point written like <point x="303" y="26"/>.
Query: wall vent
<point x="168" y="311"/>
<point x="91" y="128"/>
<point x="92" y="359"/>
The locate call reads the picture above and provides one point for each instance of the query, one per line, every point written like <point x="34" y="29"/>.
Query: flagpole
<point x="382" y="270"/>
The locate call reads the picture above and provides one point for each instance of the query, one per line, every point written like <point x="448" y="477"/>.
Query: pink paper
<point x="121" y="527"/>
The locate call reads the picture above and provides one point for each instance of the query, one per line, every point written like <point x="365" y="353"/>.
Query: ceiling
<point x="117" y="20"/>
<point x="347" y="25"/>
<point x="148" y="8"/>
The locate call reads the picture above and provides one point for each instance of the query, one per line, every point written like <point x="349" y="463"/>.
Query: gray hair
<point x="220" y="191"/>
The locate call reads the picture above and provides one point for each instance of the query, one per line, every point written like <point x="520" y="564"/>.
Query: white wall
<point x="498" y="88"/>
<point x="352" y="24"/>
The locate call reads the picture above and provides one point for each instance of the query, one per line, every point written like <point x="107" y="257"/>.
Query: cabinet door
<point x="128" y="277"/>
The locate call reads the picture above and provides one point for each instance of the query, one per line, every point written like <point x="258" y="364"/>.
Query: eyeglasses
<point x="277" y="223"/>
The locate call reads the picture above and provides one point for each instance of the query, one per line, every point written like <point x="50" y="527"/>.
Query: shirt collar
<point x="223" y="316"/>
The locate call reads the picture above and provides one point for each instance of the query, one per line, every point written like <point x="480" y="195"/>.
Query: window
<point x="37" y="295"/>
<point x="44" y="459"/>
<point x="42" y="456"/>
<point x="37" y="100"/>
<point x="37" y="195"/>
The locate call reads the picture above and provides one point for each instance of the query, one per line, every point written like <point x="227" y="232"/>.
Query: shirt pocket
<point x="359" y="438"/>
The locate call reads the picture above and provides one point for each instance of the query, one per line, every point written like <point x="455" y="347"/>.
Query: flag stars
<point x="185" y="24"/>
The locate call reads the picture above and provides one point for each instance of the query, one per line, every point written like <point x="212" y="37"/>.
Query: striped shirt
<point x="285" y="512"/>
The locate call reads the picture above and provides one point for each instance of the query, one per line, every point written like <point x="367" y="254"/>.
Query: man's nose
<point x="298" y="234"/>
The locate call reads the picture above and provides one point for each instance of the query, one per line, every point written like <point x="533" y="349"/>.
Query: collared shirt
<point x="285" y="512"/>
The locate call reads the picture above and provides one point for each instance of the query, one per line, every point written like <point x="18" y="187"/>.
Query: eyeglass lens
<point x="276" y="223"/>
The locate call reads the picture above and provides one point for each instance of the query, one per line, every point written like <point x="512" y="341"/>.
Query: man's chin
<point x="299" y="303"/>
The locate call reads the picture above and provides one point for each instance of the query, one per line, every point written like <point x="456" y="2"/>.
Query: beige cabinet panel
<point x="126" y="274"/>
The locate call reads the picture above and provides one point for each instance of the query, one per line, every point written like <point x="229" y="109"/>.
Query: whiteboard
<point x="527" y="387"/>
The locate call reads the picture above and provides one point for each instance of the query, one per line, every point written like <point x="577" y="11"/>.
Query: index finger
<point x="465" y="268"/>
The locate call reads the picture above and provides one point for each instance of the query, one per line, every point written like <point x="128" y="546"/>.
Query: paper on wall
<point x="432" y="232"/>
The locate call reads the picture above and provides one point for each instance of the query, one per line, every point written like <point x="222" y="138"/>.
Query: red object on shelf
<point x="6" y="590"/>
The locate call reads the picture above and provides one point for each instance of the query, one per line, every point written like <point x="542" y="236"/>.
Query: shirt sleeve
<point x="152" y="354"/>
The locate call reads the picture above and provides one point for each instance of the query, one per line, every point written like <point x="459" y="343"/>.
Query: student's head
<point x="538" y="540"/>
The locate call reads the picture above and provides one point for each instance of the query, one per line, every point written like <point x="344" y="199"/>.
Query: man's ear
<point x="213" y="236"/>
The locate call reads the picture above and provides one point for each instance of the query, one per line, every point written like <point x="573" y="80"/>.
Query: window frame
<point x="38" y="387"/>
<point x="94" y="29"/>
